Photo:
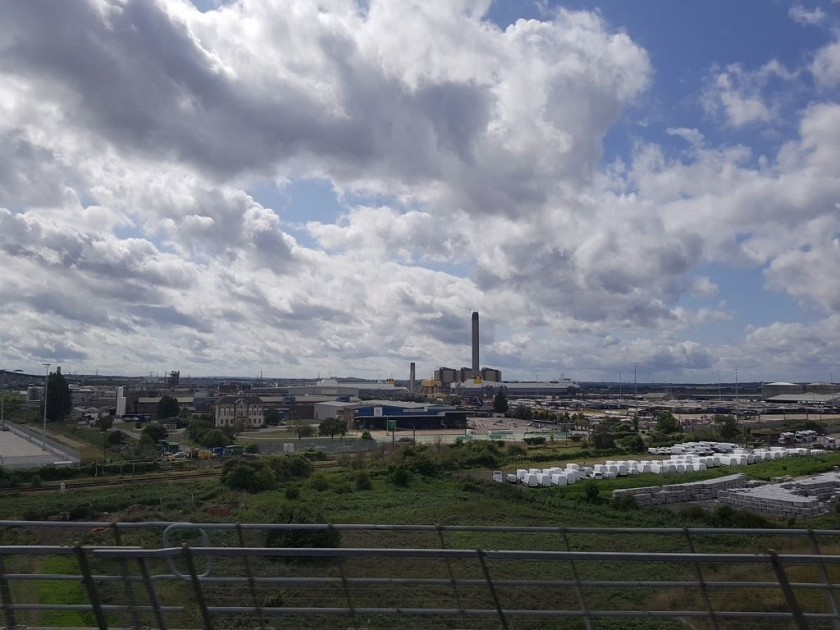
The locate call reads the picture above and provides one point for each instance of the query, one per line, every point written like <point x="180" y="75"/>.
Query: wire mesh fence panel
<point x="218" y="575"/>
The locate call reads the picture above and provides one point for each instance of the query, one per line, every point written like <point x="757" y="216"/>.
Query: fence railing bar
<point x="463" y="554"/>
<point x="510" y="613"/>
<point x="665" y="531"/>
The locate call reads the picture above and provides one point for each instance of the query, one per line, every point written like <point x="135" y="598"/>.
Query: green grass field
<point x="435" y="489"/>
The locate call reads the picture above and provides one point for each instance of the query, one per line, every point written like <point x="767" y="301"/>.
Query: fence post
<point x="492" y="588"/>
<point x="6" y="596"/>
<point x="87" y="579"/>
<point x="587" y="618"/>
<point x="703" y="589"/>
<point x="196" y="584"/>
<point x="830" y="595"/>
<point x="790" y="596"/>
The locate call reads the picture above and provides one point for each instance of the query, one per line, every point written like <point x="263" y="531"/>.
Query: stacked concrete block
<point x="682" y="492"/>
<point x="801" y="499"/>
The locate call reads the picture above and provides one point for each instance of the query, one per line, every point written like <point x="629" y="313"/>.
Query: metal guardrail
<point x="189" y="575"/>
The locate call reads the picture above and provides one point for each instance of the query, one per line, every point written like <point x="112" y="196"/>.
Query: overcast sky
<point x="304" y="188"/>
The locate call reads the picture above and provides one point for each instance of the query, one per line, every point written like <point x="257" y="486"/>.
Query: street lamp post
<point x="46" y="387"/>
<point x="737" y="406"/>
<point x="635" y="385"/>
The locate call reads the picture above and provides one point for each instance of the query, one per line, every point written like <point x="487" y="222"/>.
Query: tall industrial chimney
<point x="475" y="369"/>
<point x="411" y="377"/>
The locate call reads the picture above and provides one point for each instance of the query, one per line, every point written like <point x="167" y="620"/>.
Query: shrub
<point x="515" y="450"/>
<point x="534" y="441"/>
<point x="626" y="502"/>
<point x="301" y="514"/>
<point x="116" y="437"/>
<point x="35" y="481"/>
<point x="725" y="516"/>
<point x="319" y="482"/>
<point x="290" y="466"/>
<point x="401" y="477"/>
<point x="292" y="493"/>
<point x="362" y="481"/>
<point x="590" y="492"/>
<point x="366" y="435"/>
<point x="251" y="476"/>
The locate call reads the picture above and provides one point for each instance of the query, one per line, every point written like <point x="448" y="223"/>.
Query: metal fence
<point x="186" y="575"/>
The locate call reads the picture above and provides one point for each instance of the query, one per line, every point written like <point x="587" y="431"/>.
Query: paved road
<point x="12" y="445"/>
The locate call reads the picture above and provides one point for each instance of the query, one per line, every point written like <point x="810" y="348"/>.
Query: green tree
<point x="633" y="444"/>
<point x="272" y="417"/>
<point x="667" y="423"/>
<point x="116" y="437"/>
<point x="213" y="438"/>
<point x="602" y="437"/>
<point x="523" y="412"/>
<point x="332" y="426"/>
<point x="167" y="408"/>
<point x="59" y="399"/>
<point x="104" y="423"/>
<point x="500" y="403"/>
<point x="303" y="429"/>
<point x="198" y="427"/>
<point x="155" y="432"/>
<point x="727" y="427"/>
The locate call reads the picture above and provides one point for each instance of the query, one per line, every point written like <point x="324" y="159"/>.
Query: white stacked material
<point x="544" y="479"/>
<point x="531" y="480"/>
<point x="511" y="478"/>
<point x="559" y="479"/>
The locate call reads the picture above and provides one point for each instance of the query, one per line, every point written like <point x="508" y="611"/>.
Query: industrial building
<point x="379" y="415"/>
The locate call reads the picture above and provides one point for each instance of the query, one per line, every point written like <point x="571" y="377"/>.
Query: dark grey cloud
<point x="133" y="74"/>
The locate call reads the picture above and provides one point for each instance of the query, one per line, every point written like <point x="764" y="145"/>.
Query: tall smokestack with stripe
<point x="476" y="371"/>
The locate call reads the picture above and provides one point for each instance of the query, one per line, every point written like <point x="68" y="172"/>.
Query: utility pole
<point x="46" y="388"/>
<point x="635" y="383"/>
<point x="736" y="394"/>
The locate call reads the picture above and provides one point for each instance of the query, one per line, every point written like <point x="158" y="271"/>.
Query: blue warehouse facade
<point x="376" y="415"/>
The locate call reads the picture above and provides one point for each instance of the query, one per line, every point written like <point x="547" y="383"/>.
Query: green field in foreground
<point x="432" y="485"/>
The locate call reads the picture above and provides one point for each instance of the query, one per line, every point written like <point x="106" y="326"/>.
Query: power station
<point x="474" y="375"/>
